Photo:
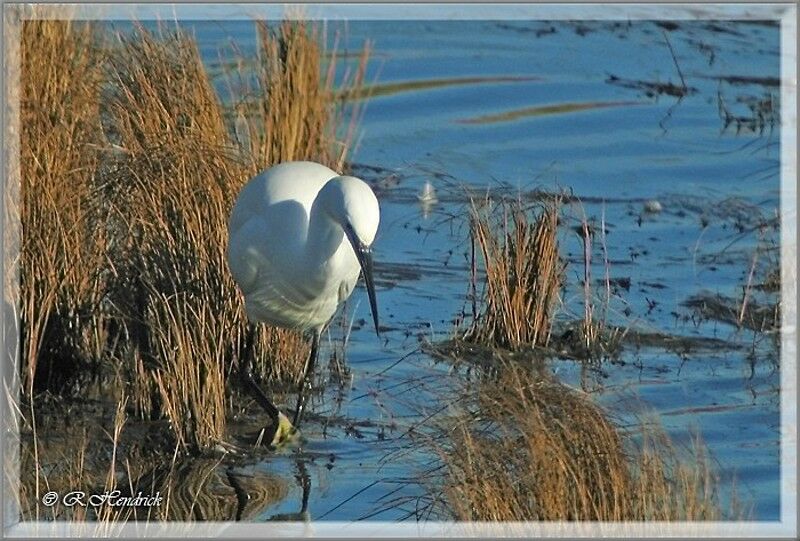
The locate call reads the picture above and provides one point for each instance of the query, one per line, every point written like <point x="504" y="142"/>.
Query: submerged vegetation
<point x="544" y="110"/>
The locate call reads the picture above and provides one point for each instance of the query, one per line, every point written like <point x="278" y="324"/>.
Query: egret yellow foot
<point x="285" y="432"/>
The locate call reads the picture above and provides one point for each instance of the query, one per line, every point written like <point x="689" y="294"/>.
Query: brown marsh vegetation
<point x="129" y="168"/>
<point x="523" y="273"/>
<point x="530" y="448"/>
<point x="524" y="279"/>
<point x="130" y="164"/>
<point x="522" y="446"/>
<point x="128" y="174"/>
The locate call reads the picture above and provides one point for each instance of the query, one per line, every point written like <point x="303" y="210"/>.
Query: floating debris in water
<point x="652" y="89"/>
<point x="387" y="183"/>
<point x="427" y="198"/>
<point x="428" y="194"/>
<point x="652" y="206"/>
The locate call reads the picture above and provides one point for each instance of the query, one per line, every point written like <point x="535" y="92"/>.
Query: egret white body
<point x="299" y="235"/>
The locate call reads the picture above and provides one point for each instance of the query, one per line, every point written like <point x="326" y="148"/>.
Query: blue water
<point x="661" y="148"/>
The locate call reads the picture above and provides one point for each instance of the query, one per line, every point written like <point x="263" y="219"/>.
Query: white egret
<point x="299" y="235"/>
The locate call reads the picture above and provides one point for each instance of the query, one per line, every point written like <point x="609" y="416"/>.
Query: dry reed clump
<point x="523" y="274"/>
<point x="61" y="247"/>
<point x="128" y="173"/>
<point x="670" y="489"/>
<point x="537" y="450"/>
<point x="172" y="180"/>
<point x="291" y="64"/>
<point x="169" y="186"/>
<point x="300" y="110"/>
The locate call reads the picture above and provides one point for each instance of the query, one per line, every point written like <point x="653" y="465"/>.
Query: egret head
<point x="352" y="204"/>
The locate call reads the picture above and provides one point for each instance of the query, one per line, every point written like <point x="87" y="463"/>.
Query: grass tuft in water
<point x="523" y="273"/>
<point x="530" y="448"/>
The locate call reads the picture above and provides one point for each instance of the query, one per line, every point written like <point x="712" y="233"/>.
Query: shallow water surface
<point x="511" y="106"/>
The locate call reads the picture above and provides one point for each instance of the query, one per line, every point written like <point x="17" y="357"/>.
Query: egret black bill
<point x="364" y="256"/>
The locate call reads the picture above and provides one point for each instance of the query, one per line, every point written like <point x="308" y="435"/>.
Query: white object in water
<point x="428" y="194"/>
<point x="652" y="206"/>
<point x="299" y="235"/>
<point x="427" y="198"/>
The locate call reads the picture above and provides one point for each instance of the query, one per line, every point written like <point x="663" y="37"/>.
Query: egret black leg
<point x="305" y="385"/>
<point x="246" y="375"/>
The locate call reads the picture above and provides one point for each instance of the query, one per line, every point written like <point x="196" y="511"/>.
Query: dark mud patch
<point x="737" y="212"/>
<point x="678" y="343"/>
<point x="566" y="343"/>
<point x="457" y="352"/>
<point x="773" y="82"/>
<point x="613" y="342"/>
<point x="652" y="89"/>
<point x="750" y="315"/>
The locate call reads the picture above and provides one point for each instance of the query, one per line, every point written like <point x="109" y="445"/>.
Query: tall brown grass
<point x="61" y="248"/>
<point x="535" y="449"/>
<point x="282" y="127"/>
<point x="523" y="273"/>
<point x="129" y="171"/>
<point x="177" y="177"/>
<point x="291" y="65"/>
<point x="62" y="331"/>
<point x="171" y="187"/>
